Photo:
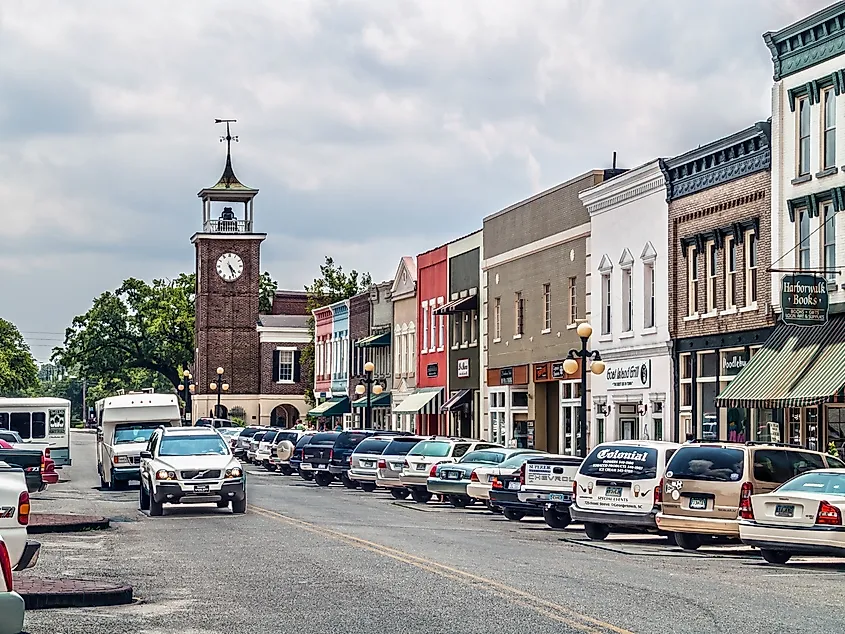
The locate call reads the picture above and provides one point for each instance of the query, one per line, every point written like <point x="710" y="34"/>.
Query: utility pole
<point x="85" y="401"/>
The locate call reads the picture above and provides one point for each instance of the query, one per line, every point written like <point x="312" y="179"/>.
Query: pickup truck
<point x="14" y="518"/>
<point x="30" y="460"/>
<point x="12" y="606"/>
<point x="547" y="483"/>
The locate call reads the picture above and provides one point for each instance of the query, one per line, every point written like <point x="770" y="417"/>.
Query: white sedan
<point x="801" y="517"/>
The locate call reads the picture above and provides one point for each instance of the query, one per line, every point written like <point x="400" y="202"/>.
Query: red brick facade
<point x="269" y="384"/>
<point x="290" y="303"/>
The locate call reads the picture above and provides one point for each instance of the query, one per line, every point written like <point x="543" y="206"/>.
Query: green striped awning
<point x="374" y="341"/>
<point x="332" y="407"/>
<point x="376" y="400"/>
<point x="796" y="367"/>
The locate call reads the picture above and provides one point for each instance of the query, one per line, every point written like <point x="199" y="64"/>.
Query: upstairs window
<point x="829" y="241"/>
<point x="803" y="136"/>
<point x="648" y="295"/>
<point x="519" y="312"/>
<point x="547" y="307"/>
<point x="804" y="239"/>
<point x="432" y="343"/>
<point x="497" y="318"/>
<point x="712" y="264"/>
<point x="692" y="281"/>
<point x="627" y="301"/>
<point x="605" y="303"/>
<point x="573" y="300"/>
<point x="424" y="326"/>
<point x="457" y="329"/>
<point x="829" y="129"/>
<point x="440" y="327"/>
<point x="750" y="268"/>
<point x="730" y="272"/>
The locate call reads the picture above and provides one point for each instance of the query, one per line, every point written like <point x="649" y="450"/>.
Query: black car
<point x="504" y="495"/>
<point x="341" y="456"/>
<point x="316" y="457"/>
<point x="296" y="459"/>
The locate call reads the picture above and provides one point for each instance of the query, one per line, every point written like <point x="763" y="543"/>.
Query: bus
<point x="42" y="421"/>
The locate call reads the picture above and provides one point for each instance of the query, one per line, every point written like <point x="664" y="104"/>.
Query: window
<point x="573" y="301"/>
<point x="440" y="326"/>
<point x="547" y="307"/>
<point x="803" y="136"/>
<point x="412" y="356"/>
<point x="648" y="295"/>
<point x="730" y="272"/>
<point x="804" y="239"/>
<point x="400" y="351"/>
<point x="457" y="324"/>
<point x="465" y="330"/>
<point x="712" y="262"/>
<point x="473" y="327"/>
<point x="829" y="241"/>
<point x="750" y="268"/>
<point x="829" y="130"/>
<point x="497" y="318"/>
<point x="605" y="301"/>
<point x="657" y="418"/>
<point x="519" y="311"/>
<point x="432" y="344"/>
<point x="627" y="301"/>
<point x="425" y="326"/>
<point x="692" y="281"/>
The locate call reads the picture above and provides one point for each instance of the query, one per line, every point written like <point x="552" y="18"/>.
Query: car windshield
<point x="193" y="445"/>
<point x="514" y="462"/>
<point x="431" y="448"/>
<point x="485" y="457"/>
<point x="372" y="446"/>
<point x="349" y="440"/>
<point x="621" y="462"/>
<point x="816" y="482"/>
<point x="137" y="432"/>
<point x="400" y="446"/>
<point x="720" y="464"/>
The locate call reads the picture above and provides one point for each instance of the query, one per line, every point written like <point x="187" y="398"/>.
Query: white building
<point x="628" y="295"/>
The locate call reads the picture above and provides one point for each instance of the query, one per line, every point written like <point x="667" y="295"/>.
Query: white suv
<point x="190" y="465"/>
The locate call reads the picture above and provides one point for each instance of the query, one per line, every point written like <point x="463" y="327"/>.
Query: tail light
<point x="496" y="484"/>
<point x="433" y="471"/>
<point x="473" y="477"/>
<point x="23" y="509"/>
<point x="522" y="474"/>
<point x="828" y="515"/>
<point x="331" y="455"/>
<point x="658" y="493"/>
<point x="405" y="464"/>
<point x="47" y="452"/>
<point x="574" y="491"/>
<point x="745" y="510"/>
<point x="6" y="565"/>
<point x="382" y="464"/>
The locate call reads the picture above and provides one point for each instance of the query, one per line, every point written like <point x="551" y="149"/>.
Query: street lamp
<point x="570" y="366"/>
<point x="369" y="386"/>
<point x="218" y="386"/>
<point x="186" y="389"/>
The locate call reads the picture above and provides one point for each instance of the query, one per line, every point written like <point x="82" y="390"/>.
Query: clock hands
<point x="231" y="268"/>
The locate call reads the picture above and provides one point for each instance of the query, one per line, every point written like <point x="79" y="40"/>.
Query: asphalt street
<point x="308" y="559"/>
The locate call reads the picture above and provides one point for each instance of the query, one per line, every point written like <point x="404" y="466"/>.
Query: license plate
<point x="367" y="464"/>
<point x="200" y="488"/>
<point x="784" y="510"/>
<point x="513" y="486"/>
<point x="613" y="492"/>
<point x="453" y="475"/>
<point x="317" y="467"/>
<point x="698" y="503"/>
<point x="420" y="467"/>
<point x="558" y="497"/>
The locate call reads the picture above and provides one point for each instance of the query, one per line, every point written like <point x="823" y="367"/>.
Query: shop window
<point x="519" y="399"/>
<point x="686" y="365"/>
<point x="708" y="364"/>
<point x="738" y="420"/>
<point x="767" y="428"/>
<point x="648" y="295"/>
<point x="836" y="428"/>
<point x="692" y="281"/>
<point x="606" y="303"/>
<point x="750" y="268"/>
<point x="497" y="319"/>
<point x="709" y="417"/>
<point x="829" y="129"/>
<point x="812" y="418"/>
<point x="686" y="394"/>
<point x="794" y="426"/>
<point x="803" y="240"/>
<point x="829" y="241"/>
<point x="730" y="272"/>
<point x="627" y="301"/>
<point x="712" y="272"/>
<point x="466" y="334"/>
<point x="803" y="112"/>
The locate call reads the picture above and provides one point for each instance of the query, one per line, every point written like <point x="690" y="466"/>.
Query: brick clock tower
<point x="228" y="269"/>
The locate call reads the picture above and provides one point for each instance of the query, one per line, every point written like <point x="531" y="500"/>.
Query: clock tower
<point x="228" y="270"/>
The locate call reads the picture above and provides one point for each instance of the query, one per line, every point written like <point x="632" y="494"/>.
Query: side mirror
<point x="147" y="455"/>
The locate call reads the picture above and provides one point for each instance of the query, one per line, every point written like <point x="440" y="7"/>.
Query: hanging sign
<point x="804" y="299"/>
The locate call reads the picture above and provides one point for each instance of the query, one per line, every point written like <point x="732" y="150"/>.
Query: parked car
<point x="452" y="479"/>
<point x="244" y="439"/>
<point x="706" y="485"/>
<point x="252" y="449"/>
<point x="480" y="487"/>
<point x="345" y="444"/>
<point x="296" y="457"/>
<point x="30" y="460"/>
<point x="427" y="453"/>
<point x="216" y="423"/>
<point x="547" y="483"/>
<point x="190" y="465"/>
<point x="230" y="435"/>
<point x="392" y="462"/>
<point x="283" y="447"/>
<point x="14" y="518"/>
<point x="11" y="603"/>
<point x="801" y="517"/>
<point x="263" y="452"/>
<point x="363" y="469"/>
<point x="504" y="495"/>
<point x="618" y="486"/>
<point x="317" y="455"/>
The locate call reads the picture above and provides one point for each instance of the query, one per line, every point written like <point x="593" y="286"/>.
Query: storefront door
<point x="628" y="429"/>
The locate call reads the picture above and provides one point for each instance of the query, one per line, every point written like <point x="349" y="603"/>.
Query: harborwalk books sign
<point x="803" y="299"/>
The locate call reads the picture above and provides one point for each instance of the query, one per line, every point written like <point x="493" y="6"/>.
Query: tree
<point x="266" y="292"/>
<point x="140" y="326"/>
<point x="18" y="371"/>
<point x="332" y="286"/>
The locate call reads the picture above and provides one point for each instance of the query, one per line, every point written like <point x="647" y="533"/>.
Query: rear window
<point x="781" y="465"/>
<point x="489" y="457"/>
<point x="401" y="446"/>
<point x="372" y="446"/>
<point x="835" y="463"/>
<point x="248" y="431"/>
<point x="270" y="435"/>
<point x="621" y="462"/>
<point x="292" y="436"/>
<point x="306" y="438"/>
<point x="719" y="464"/>
<point x="432" y="448"/>
<point x="349" y="440"/>
<point x="514" y="462"/>
<point x="816" y="482"/>
<point x="324" y="439"/>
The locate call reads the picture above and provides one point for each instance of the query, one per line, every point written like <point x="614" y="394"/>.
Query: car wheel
<point x="460" y="501"/>
<point x="688" y="541"/>
<point x="156" y="508"/>
<point x="775" y="556"/>
<point x="513" y="515"/>
<point x="368" y="487"/>
<point x="323" y="479"/>
<point x="556" y="519"/>
<point x="222" y="504"/>
<point x="239" y="506"/>
<point x="348" y="483"/>
<point x="286" y="470"/>
<point x="306" y="475"/>
<point x="420" y="496"/>
<point x="399" y="494"/>
<point x="144" y="502"/>
<point x="596" y="532"/>
<point x="493" y="508"/>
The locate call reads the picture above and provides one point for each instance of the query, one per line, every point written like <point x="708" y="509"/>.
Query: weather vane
<point x="228" y="138"/>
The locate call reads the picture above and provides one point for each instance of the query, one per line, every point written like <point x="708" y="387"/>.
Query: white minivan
<point x="618" y="484"/>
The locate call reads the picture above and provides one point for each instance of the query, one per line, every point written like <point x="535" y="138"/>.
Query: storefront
<point x="556" y="399"/>
<point x="508" y="394"/>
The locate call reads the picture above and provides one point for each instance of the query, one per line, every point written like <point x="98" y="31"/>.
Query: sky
<point x="373" y="129"/>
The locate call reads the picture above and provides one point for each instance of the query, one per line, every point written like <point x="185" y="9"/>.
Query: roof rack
<point x="748" y="443"/>
<point x="753" y="443"/>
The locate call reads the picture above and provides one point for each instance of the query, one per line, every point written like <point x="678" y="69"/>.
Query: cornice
<point x="633" y="184"/>
<point x="719" y="162"/>
<point x="808" y="42"/>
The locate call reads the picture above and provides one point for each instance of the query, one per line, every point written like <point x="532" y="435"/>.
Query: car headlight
<point x="163" y="474"/>
<point x="234" y="472"/>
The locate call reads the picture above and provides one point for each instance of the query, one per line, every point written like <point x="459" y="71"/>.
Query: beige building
<point x="403" y="296"/>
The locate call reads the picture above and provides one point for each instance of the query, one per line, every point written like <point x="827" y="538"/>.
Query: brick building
<point x="719" y="249"/>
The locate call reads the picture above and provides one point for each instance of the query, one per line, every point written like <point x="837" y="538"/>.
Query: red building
<point x="322" y="353"/>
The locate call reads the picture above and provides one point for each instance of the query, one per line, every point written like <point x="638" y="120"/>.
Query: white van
<point x="124" y="426"/>
<point x="618" y="484"/>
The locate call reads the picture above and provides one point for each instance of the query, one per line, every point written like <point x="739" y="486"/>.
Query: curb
<point x="44" y="593"/>
<point x="41" y="523"/>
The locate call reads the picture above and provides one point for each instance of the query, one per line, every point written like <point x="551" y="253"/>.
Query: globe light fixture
<point x="360" y="389"/>
<point x="570" y="366"/>
<point x="377" y="389"/>
<point x="212" y="386"/>
<point x="369" y="366"/>
<point x="220" y="371"/>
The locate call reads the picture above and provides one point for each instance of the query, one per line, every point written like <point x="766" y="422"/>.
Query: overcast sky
<point x="373" y="129"/>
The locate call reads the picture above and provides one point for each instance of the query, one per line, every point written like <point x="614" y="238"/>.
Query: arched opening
<point x="284" y="415"/>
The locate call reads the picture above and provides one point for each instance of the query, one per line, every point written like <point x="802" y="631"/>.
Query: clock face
<point x="230" y="266"/>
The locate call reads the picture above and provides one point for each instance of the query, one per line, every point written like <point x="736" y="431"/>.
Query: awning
<point x="458" y="398"/>
<point x="470" y="302"/>
<point x="796" y="367"/>
<point x="376" y="400"/>
<point x="332" y="407"/>
<point x="418" y="400"/>
<point x="374" y="341"/>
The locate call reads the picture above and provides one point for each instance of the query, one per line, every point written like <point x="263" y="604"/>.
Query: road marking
<point x="554" y="611"/>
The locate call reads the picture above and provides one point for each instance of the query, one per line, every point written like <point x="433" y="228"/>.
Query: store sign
<point x="431" y="370"/>
<point x="506" y="376"/>
<point x="629" y="375"/>
<point x="541" y="372"/>
<point x="557" y="370"/>
<point x="733" y="362"/>
<point x="463" y="368"/>
<point x="804" y="300"/>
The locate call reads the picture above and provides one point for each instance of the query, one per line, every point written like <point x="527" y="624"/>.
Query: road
<point x="306" y="559"/>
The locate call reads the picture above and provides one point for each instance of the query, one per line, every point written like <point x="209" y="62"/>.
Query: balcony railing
<point x="228" y="226"/>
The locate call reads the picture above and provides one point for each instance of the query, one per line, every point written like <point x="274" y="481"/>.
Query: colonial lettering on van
<point x="804" y="299"/>
<point x="629" y="375"/>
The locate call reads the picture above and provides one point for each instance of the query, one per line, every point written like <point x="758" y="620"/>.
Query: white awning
<point x="416" y="401"/>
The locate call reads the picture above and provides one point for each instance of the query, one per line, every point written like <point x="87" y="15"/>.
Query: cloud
<point x="373" y="130"/>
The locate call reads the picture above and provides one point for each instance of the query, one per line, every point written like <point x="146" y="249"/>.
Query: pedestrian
<point x="690" y="439"/>
<point x="338" y="427"/>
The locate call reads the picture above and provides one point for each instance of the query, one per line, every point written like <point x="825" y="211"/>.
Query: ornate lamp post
<point x="186" y="389"/>
<point x="570" y="366"/>
<point x="219" y="386"/>
<point x="370" y="386"/>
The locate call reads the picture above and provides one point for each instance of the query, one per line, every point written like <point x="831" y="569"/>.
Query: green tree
<point x="18" y="372"/>
<point x="333" y="285"/>
<point x="140" y="326"/>
<point x="267" y="288"/>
